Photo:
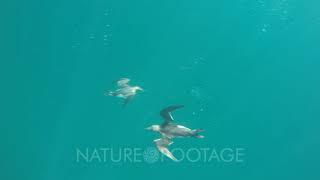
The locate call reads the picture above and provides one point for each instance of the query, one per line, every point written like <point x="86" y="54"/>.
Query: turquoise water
<point x="247" y="72"/>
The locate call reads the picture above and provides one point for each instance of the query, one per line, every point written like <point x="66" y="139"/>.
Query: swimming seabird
<point x="169" y="130"/>
<point x="125" y="91"/>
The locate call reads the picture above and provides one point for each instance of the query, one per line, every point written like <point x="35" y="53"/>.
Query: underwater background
<point x="247" y="72"/>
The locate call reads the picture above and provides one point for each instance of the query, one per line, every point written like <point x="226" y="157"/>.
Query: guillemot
<point x="169" y="130"/>
<point x="125" y="91"/>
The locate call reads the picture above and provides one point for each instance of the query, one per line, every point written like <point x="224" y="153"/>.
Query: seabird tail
<point x="195" y="133"/>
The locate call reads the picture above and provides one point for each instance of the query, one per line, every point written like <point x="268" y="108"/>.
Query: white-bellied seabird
<point x="169" y="130"/>
<point x="125" y="91"/>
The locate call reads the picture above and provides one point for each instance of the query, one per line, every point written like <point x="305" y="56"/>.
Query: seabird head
<point x="153" y="128"/>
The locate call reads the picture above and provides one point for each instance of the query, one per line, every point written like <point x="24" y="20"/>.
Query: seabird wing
<point x="162" y="145"/>
<point x="127" y="100"/>
<point x="166" y="113"/>
<point x="123" y="82"/>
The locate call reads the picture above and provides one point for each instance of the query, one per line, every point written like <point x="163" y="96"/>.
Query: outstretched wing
<point x="127" y="100"/>
<point x="123" y="82"/>
<point x="166" y="113"/>
<point x="162" y="145"/>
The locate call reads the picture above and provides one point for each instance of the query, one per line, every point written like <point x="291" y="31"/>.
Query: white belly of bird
<point x="177" y="131"/>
